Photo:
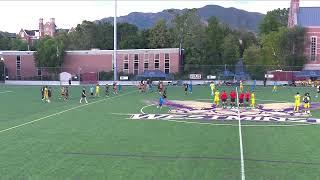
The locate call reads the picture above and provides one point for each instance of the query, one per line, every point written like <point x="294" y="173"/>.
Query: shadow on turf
<point x="177" y="157"/>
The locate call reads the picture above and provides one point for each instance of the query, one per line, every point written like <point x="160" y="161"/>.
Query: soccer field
<point x="99" y="140"/>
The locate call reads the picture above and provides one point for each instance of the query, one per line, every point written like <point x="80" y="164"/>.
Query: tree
<point x="230" y="46"/>
<point x="50" y="53"/>
<point x="159" y="35"/>
<point x="18" y="44"/>
<point x="215" y="33"/>
<point x="253" y="60"/>
<point x="274" y="20"/>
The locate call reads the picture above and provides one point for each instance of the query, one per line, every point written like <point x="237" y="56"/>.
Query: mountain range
<point x="235" y="18"/>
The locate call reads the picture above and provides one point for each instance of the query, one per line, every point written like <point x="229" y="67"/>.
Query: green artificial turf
<point x="68" y="140"/>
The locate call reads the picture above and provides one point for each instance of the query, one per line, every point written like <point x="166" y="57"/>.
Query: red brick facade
<point x="309" y="18"/>
<point x="21" y="64"/>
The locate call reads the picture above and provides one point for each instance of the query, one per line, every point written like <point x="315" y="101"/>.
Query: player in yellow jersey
<point x="97" y="90"/>
<point x="253" y="101"/>
<point x="46" y="94"/>
<point x="212" y="87"/>
<point x="296" y="102"/>
<point x="241" y="86"/>
<point x="216" y="98"/>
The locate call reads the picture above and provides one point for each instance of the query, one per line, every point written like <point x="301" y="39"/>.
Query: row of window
<point x="313" y="48"/>
<point x="146" y="63"/>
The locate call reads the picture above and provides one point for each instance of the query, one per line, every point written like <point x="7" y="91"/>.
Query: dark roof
<point x="309" y="16"/>
<point x="31" y="32"/>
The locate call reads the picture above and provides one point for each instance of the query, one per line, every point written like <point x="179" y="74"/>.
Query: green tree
<point x="274" y="20"/>
<point x="18" y="44"/>
<point x="50" y="53"/>
<point x="159" y="35"/>
<point x="253" y="60"/>
<point x="230" y="46"/>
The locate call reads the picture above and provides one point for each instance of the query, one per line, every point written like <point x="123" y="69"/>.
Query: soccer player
<point x="212" y="87"/>
<point x="318" y="91"/>
<point x="46" y="94"/>
<point x="107" y="89"/>
<point x="42" y="93"/>
<point x="161" y="101"/>
<point x="247" y="97"/>
<point x="190" y="87"/>
<point x="296" y="102"/>
<point x="216" y="98"/>
<point x="66" y="92"/>
<point x="119" y="88"/>
<point x="224" y="97"/>
<point x="241" y="98"/>
<point x="253" y="101"/>
<point x="306" y="100"/>
<point x="241" y="86"/>
<point x="91" y="90"/>
<point x="115" y="89"/>
<point x="232" y="98"/>
<point x="185" y="88"/>
<point x="62" y="93"/>
<point x="83" y="96"/>
<point x="97" y="90"/>
<point x="164" y="93"/>
<point x="275" y="87"/>
<point x="49" y="93"/>
<point x="253" y="86"/>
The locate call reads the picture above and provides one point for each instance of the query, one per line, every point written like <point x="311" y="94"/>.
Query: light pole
<point x="115" y="42"/>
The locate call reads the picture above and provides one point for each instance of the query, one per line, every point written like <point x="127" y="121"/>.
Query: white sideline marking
<point x="2" y="92"/>
<point x="58" y="113"/>
<point x="243" y="177"/>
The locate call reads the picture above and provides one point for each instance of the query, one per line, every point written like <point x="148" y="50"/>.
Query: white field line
<point x="61" y="112"/>
<point x="243" y="177"/>
<point x="2" y="92"/>
<point x="141" y="110"/>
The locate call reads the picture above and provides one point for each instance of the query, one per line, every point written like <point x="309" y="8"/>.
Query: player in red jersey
<point x="232" y="98"/>
<point x="248" y="97"/>
<point x="224" y="98"/>
<point x="241" y="98"/>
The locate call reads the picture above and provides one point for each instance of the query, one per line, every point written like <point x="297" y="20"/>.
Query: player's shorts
<point x="296" y="104"/>
<point x="253" y="101"/>
<point x="91" y="94"/>
<point x="223" y="100"/>
<point x="247" y="99"/>
<point x="233" y="99"/>
<point x="240" y="100"/>
<point x="307" y="105"/>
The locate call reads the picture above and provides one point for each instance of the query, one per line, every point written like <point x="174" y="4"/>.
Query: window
<point x="18" y="67"/>
<point x="156" y="61"/>
<point x="136" y="64"/>
<point x="39" y="72"/>
<point x="126" y="64"/>
<point x="146" y="62"/>
<point x="313" y="48"/>
<point x="166" y="63"/>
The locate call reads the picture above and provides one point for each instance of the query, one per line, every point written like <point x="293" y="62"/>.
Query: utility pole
<point x="115" y="42"/>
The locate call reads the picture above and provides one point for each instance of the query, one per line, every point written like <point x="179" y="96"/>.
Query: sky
<point x="15" y="15"/>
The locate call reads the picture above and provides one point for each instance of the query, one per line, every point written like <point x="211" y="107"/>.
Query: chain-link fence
<point x="186" y="72"/>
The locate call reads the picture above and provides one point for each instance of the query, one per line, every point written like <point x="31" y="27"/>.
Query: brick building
<point x="21" y="64"/>
<point x="309" y="18"/>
